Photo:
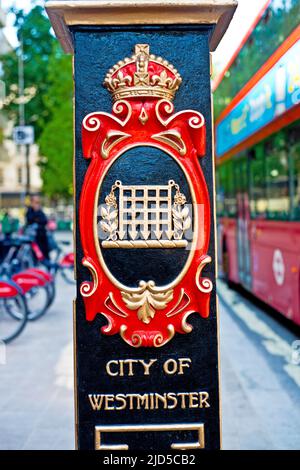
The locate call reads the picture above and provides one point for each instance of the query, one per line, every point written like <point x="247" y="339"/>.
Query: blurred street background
<point x="260" y="380"/>
<point x="256" y="89"/>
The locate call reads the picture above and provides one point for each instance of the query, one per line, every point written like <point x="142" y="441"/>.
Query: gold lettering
<point x="204" y="396"/>
<point x="96" y="401"/>
<point x="143" y="400"/>
<point x="147" y="366"/>
<point x="131" y="395"/>
<point x="194" y="400"/>
<point x="182" y="395"/>
<point x="130" y="363"/>
<point x="162" y="398"/>
<point x="172" y="396"/>
<point x="151" y="401"/>
<point x="109" y="398"/>
<point x="122" y="398"/>
<point x="170" y="366"/>
<point x="127" y="367"/>
<point x="108" y="368"/>
<point x="183" y="362"/>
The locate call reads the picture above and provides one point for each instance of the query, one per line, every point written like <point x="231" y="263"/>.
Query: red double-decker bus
<point x="257" y="128"/>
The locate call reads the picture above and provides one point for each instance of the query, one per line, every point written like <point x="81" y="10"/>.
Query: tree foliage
<point x="48" y="97"/>
<point x="278" y="21"/>
<point x="56" y="141"/>
<point x="33" y="29"/>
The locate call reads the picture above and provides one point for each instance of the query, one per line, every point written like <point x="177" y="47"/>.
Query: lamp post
<point x="21" y="128"/>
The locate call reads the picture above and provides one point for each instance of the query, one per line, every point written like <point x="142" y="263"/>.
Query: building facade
<point x="12" y="157"/>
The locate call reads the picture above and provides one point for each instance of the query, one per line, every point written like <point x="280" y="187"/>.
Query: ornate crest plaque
<point x="146" y="198"/>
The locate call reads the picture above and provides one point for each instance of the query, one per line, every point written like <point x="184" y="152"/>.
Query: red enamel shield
<point x="144" y="208"/>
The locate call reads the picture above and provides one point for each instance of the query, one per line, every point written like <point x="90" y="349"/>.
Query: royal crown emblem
<point x="143" y="74"/>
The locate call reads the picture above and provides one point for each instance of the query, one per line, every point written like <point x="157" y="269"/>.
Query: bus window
<point x="258" y="200"/>
<point x="241" y="174"/>
<point x="277" y="166"/>
<point x="226" y="200"/>
<point x="230" y="197"/>
<point x="220" y="191"/>
<point x="294" y="154"/>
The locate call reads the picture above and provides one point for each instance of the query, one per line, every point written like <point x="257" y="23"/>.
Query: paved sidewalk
<point x="260" y="387"/>
<point x="36" y="384"/>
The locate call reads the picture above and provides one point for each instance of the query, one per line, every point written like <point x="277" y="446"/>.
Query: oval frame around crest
<point x="189" y="260"/>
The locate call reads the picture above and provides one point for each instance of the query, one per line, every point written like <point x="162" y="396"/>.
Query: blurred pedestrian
<point x="7" y="224"/>
<point x="35" y="215"/>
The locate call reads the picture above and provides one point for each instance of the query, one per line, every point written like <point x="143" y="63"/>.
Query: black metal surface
<point x="145" y="166"/>
<point x="96" y="50"/>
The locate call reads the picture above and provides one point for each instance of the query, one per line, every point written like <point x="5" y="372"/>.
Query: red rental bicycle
<point x="36" y="285"/>
<point x="60" y="262"/>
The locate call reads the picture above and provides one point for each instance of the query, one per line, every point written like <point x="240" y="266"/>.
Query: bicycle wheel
<point x="37" y="300"/>
<point x="52" y="292"/>
<point x="11" y="326"/>
<point x="67" y="273"/>
<point x="50" y="284"/>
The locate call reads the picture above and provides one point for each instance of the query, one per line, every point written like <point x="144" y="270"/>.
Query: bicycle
<point x="37" y="286"/>
<point x="58" y="262"/>
<point x="12" y="300"/>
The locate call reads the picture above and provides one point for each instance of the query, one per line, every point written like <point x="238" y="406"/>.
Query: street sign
<point x="23" y="135"/>
<point x="146" y="318"/>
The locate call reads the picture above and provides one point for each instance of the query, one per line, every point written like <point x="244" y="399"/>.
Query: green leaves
<point x="56" y="140"/>
<point x="48" y="95"/>
<point x="34" y="31"/>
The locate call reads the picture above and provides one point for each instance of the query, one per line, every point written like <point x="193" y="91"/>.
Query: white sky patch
<point x="244" y="16"/>
<point x="26" y="5"/>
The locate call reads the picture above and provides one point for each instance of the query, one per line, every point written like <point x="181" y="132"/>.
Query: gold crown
<point x="141" y="75"/>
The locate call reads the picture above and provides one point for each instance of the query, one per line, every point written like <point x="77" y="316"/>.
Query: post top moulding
<point x="64" y="14"/>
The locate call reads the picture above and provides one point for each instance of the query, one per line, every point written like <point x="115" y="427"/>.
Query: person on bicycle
<point x="35" y="215"/>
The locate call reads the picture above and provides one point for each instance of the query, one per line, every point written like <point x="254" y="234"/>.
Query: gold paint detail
<point x="158" y="339"/>
<point x="129" y="222"/>
<point x="147" y="300"/>
<point x="205" y="285"/>
<point x="117" y="310"/>
<point x="86" y="289"/>
<point x="187" y="328"/>
<point x="172" y="138"/>
<point x="110" y="276"/>
<point x="92" y="121"/>
<point x="197" y="427"/>
<point x="142" y="84"/>
<point x="145" y="244"/>
<point x="109" y="214"/>
<point x="210" y="63"/>
<point x="136" y="339"/>
<point x="118" y="108"/>
<point x="195" y="122"/>
<point x="66" y="13"/>
<point x="112" y="138"/>
<point x="143" y="117"/>
<point x="177" y="309"/>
